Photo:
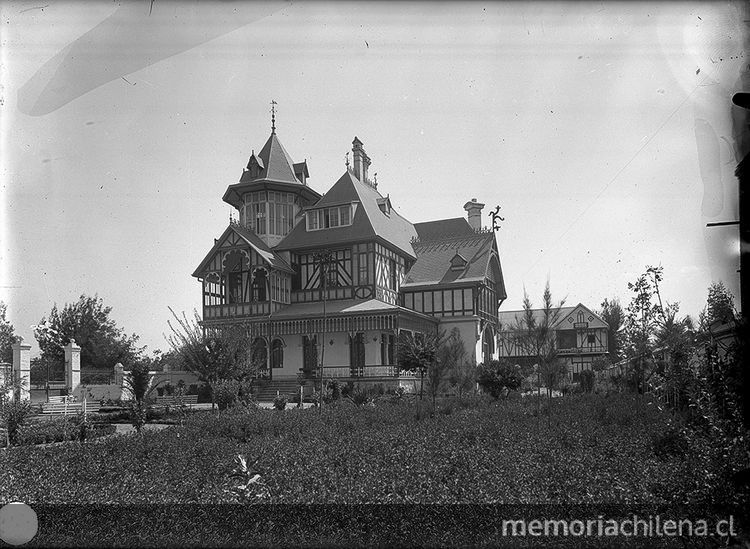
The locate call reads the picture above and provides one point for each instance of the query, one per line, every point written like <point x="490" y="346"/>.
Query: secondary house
<point x="331" y="280"/>
<point x="580" y="336"/>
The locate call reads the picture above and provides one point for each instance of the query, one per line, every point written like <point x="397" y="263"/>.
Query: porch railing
<point x="582" y="350"/>
<point x="362" y="371"/>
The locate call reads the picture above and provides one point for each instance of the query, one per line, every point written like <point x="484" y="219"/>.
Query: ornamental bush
<point x="279" y="402"/>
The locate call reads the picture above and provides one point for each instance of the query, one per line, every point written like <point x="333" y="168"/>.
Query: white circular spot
<point x="18" y="523"/>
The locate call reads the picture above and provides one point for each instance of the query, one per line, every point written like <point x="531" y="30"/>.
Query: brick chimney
<point x="474" y="213"/>
<point x="361" y="161"/>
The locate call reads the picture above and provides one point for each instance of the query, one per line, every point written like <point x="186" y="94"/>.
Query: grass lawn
<point x="586" y="450"/>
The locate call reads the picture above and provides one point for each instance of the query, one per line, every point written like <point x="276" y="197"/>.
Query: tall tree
<point x="452" y="353"/>
<point x="719" y="306"/>
<point x="642" y="320"/>
<point x="675" y="338"/>
<point x="612" y="313"/>
<point x="535" y="334"/>
<point x="417" y="353"/>
<point x="216" y="355"/>
<point x="7" y="336"/>
<point x="103" y="343"/>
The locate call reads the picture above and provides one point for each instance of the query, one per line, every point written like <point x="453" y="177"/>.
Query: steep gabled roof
<point x="435" y="257"/>
<point x="252" y="240"/>
<point x="368" y="221"/>
<point x="565" y="320"/>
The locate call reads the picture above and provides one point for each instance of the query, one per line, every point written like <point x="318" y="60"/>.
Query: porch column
<point x="22" y="368"/>
<point x="72" y="366"/>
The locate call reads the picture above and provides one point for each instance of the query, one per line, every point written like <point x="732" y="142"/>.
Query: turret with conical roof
<point x="271" y="192"/>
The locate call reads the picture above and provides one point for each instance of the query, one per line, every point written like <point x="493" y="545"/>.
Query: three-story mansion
<point x="337" y="277"/>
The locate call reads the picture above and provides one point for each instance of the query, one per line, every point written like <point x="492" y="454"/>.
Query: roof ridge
<point x="479" y="234"/>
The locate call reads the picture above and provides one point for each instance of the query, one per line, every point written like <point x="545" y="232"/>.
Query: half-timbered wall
<point x="569" y="342"/>
<point x="307" y="283"/>
<point x="390" y="269"/>
<point x="591" y="340"/>
<point x="239" y="282"/>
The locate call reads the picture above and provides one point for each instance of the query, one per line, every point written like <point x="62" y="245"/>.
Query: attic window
<point x="458" y="262"/>
<point x="385" y="205"/>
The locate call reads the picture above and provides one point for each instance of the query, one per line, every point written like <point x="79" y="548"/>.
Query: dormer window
<point x="385" y="205"/>
<point x="458" y="262"/>
<point x="255" y="165"/>
<point x="329" y="218"/>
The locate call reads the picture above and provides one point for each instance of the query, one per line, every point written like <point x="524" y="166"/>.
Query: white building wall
<point x="467" y="326"/>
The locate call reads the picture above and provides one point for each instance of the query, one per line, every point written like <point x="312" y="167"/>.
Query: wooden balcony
<point x="235" y="310"/>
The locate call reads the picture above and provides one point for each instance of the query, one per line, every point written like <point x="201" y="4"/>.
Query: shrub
<point x="359" y="396"/>
<point x="670" y="443"/>
<point x="138" y="414"/>
<point x="333" y="390"/>
<point x="226" y="392"/>
<point x="14" y="414"/>
<point x="204" y="393"/>
<point x="498" y="377"/>
<point x="279" y="402"/>
<point x="347" y="389"/>
<point x="588" y="377"/>
<point x="61" y="429"/>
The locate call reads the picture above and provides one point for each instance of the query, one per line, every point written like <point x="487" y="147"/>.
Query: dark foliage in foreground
<point x="617" y="449"/>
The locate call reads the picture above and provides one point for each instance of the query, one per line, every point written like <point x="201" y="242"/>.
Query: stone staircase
<point x="268" y="391"/>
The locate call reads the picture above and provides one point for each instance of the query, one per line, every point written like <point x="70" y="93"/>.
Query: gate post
<point x="72" y="366"/>
<point x="22" y="368"/>
<point x="119" y="374"/>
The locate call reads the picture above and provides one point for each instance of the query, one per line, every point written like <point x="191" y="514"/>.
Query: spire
<point x="273" y="117"/>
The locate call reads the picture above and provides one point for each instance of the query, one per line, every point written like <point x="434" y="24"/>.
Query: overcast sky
<point x="605" y="131"/>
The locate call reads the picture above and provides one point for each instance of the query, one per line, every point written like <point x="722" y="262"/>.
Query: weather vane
<point x="273" y="116"/>
<point x="495" y="215"/>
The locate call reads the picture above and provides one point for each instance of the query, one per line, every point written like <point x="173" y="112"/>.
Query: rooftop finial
<point x="347" y="159"/>
<point x="273" y="117"/>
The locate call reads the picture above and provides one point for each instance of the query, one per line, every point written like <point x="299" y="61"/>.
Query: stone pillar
<point x="119" y="374"/>
<point x="22" y="368"/>
<point x="72" y="366"/>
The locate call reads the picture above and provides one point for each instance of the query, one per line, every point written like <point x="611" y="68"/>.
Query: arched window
<point x="259" y="353"/>
<point x="277" y="354"/>
<point x="488" y="345"/>
<point x="235" y="265"/>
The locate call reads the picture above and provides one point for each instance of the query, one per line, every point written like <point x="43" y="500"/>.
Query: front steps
<point x="269" y="389"/>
